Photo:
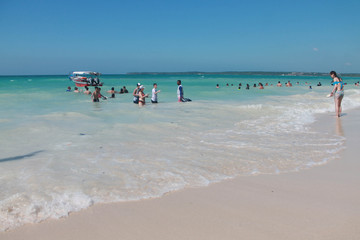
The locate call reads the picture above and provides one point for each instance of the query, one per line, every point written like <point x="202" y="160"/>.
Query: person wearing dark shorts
<point x="154" y="93"/>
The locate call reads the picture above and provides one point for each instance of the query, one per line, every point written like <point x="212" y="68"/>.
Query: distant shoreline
<point x="240" y="73"/>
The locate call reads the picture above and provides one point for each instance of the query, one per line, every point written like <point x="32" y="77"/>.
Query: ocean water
<point x="61" y="153"/>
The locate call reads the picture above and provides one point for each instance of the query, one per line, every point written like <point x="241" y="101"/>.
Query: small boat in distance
<point x="85" y="78"/>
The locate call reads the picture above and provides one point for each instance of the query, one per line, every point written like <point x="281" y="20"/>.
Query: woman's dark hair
<point x="335" y="74"/>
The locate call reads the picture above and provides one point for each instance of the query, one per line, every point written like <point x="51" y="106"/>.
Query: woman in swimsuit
<point x="337" y="92"/>
<point x="142" y="96"/>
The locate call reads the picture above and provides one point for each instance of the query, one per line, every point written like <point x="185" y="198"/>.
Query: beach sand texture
<point x="318" y="203"/>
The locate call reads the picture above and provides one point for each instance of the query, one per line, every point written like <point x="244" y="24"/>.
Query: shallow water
<point x="60" y="152"/>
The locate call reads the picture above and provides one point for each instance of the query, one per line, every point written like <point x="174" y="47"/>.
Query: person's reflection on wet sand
<point x="339" y="129"/>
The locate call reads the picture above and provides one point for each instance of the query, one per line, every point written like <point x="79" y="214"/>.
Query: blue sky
<point x="57" y="37"/>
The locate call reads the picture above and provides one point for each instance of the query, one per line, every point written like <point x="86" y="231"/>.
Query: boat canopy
<point x="86" y="73"/>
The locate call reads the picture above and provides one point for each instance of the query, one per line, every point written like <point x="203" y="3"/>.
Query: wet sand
<point x="318" y="203"/>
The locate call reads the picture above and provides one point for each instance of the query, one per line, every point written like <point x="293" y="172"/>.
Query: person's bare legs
<point x="338" y="106"/>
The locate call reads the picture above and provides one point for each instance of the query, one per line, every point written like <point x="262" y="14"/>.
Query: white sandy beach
<point x="318" y="203"/>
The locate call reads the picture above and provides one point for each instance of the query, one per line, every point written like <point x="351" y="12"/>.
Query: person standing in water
<point x="180" y="91"/>
<point x="142" y="96"/>
<point x="337" y="92"/>
<point x="136" y="94"/>
<point x="96" y="95"/>
<point x="154" y="94"/>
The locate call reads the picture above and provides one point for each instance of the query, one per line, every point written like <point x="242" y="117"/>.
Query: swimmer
<point x="261" y="86"/>
<point x="112" y="91"/>
<point x="87" y="90"/>
<point x="279" y="84"/>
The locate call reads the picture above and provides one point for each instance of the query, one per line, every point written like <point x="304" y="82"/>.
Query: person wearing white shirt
<point x="154" y="98"/>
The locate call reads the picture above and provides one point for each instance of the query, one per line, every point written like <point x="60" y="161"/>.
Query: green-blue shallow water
<point x="60" y="152"/>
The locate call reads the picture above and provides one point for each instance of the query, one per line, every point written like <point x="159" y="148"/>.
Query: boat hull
<point x="83" y="84"/>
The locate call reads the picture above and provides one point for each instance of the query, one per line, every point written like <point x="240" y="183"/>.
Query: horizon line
<point x="289" y="73"/>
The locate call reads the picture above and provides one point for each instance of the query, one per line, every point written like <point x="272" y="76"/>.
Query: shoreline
<point x="317" y="203"/>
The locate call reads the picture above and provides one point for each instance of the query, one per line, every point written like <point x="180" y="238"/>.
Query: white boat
<point x="85" y="78"/>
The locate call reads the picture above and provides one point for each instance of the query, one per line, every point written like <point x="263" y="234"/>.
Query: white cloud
<point x="315" y="49"/>
<point x="348" y="64"/>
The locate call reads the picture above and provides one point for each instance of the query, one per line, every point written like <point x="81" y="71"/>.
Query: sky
<point x="57" y="37"/>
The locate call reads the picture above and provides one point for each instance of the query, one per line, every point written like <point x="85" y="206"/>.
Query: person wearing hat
<point x="142" y="96"/>
<point x="136" y="94"/>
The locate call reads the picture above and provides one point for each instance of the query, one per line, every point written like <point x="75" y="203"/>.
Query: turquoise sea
<point x="61" y="153"/>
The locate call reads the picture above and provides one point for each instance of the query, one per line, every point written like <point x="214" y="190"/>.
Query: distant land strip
<point x="244" y="73"/>
<point x="259" y="73"/>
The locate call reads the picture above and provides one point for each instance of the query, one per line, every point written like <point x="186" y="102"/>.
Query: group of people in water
<point x="139" y="96"/>
<point x="337" y="92"/>
<point x="261" y="86"/>
<point x="96" y="95"/>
